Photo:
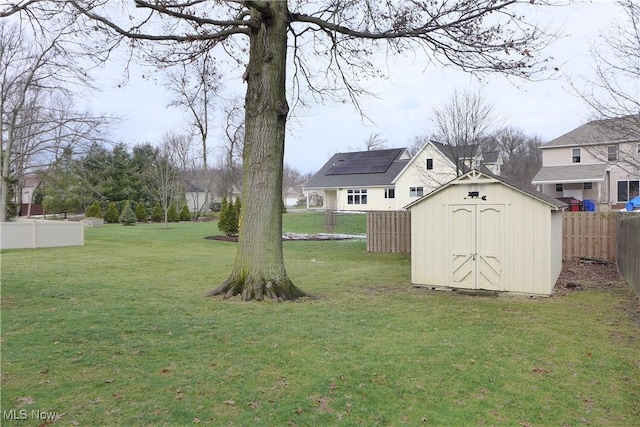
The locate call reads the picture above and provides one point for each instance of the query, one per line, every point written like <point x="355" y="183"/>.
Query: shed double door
<point x="477" y="246"/>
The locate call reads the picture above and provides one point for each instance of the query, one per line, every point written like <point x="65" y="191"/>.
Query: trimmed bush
<point x="112" y="215"/>
<point x="141" y="212"/>
<point x="185" y="214"/>
<point x="127" y="216"/>
<point x="229" y="217"/>
<point x="157" y="215"/>
<point x="94" y="211"/>
<point x="223" y="216"/>
<point x="172" y="214"/>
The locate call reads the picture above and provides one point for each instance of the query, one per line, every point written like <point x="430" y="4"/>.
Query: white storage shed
<point x="481" y="231"/>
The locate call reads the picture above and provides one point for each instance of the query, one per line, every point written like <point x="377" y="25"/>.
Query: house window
<point x="627" y="190"/>
<point x="559" y="188"/>
<point x="587" y="185"/>
<point x="575" y="155"/>
<point x="357" y="197"/>
<point x="612" y="153"/>
<point x="389" y="193"/>
<point x="416" y="191"/>
<point x="429" y="164"/>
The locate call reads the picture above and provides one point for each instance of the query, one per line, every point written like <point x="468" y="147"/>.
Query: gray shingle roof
<point x="327" y="178"/>
<point x="533" y="193"/>
<point x="194" y="187"/>
<point x="457" y="152"/>
<point x="600" y="132"/>
<point x="490" y="156"/>
<point x="570" y="173"/>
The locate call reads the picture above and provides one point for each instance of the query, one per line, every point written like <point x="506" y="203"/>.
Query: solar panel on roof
<point x="364" y="162"/>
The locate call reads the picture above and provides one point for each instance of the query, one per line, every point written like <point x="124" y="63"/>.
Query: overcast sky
<point x="403" y="104"/>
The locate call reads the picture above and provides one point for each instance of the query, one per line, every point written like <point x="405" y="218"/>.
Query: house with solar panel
<point x="391" y="179"/>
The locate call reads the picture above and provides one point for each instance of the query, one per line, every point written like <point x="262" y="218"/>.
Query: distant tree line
<point x="100" y="179"/>
<point x="109" y="182"/>
<point x="153" y="180"/>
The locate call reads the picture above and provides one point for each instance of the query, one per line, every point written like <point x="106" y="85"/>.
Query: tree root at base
<point x="281" y="290"/>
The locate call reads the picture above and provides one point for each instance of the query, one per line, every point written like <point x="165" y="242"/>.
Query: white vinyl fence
<point x="41" y="234"/>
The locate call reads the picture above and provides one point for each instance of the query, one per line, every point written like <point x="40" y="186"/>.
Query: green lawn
<point x="118" y="333"/>
<point x="316" y="222"/>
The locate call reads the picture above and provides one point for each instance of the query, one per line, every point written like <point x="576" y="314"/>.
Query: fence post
<point x="627" y="244"/>
<point x="34" y="235"/>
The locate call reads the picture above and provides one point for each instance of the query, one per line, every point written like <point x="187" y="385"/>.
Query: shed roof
<point x="194" y="187"/>
<point x="486" y="176"/>
<point x="570" y="174"/>
<point x="360" y="169"/>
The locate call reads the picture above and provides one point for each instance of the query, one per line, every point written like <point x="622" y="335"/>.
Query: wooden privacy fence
<point x="628" y="248"/>
<point x="589" y="234"/>
<point x="389" y="231"/>
<point x="584" y="234"/>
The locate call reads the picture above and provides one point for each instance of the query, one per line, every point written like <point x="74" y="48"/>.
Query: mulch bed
<point x="582" y="273"/>
<point x="223" y="238"/>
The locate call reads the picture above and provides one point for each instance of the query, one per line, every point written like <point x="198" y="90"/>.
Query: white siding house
<point x="429" y="169"/>
<point x="196" y="197"/>
<point x="389" y="179"/>
<point x="293" y="196"/>
<point x="359" y="181"/>
<point x="481" y="231"/>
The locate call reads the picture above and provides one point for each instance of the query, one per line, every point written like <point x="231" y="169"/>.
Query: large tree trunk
<point x="7" y="146"/>
<point x="259" y="271"/>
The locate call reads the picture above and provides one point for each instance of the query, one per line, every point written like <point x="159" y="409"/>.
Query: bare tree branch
<point x="613" y="95"/>
<point x="462" y="124"/>
<point x="37" y="116"/>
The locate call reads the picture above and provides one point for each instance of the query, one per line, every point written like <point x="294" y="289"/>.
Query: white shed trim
<point x="480" y="177"/>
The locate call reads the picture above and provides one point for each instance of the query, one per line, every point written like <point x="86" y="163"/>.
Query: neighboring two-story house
<point x="391" y="179"/>
<point x="598" y="161"/>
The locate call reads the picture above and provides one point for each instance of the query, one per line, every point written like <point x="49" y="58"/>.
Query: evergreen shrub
<point x="94" y="211"/>
<point x="127" y="216"/>
<point x="229" y="217"/>
<point x="112" y="215"/>
<point x="157" y="215"/>
<point x="223" y="215"/>
<point x="141" y="212"/>
<point x="185" y="214"/>
<point x="172" y="214"/>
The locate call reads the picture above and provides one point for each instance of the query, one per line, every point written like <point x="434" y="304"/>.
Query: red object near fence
<point x="35" y="209"/>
